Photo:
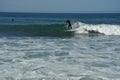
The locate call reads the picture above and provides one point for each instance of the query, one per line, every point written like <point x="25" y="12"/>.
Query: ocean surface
<point x="37" y="46"/>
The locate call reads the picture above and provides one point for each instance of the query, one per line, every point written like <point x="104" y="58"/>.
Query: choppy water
<point x="78" y="58"/>
<point x="75" y="57"/>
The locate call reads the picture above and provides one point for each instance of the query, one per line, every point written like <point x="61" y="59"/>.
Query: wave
<point x="35" y="30"/>
<point x="106" y="29"/>
<point x="59" y="29"/>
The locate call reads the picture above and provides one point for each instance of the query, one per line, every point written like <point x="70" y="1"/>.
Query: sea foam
<point x="107" y="29"/>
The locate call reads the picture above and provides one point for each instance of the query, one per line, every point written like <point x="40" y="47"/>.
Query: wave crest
<point x="107" y="29"/>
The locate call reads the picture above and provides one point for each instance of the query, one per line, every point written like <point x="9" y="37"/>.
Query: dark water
<point x="49" y="18"/>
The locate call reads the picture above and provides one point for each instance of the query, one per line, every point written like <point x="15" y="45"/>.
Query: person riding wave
<point x="69" y="26"/>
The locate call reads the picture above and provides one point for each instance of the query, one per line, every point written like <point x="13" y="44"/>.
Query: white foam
<point x="107" y="29"/>
<point x="80" y="62"/>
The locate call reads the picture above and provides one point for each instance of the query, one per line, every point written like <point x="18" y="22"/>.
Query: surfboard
<point x="70" y="30"/>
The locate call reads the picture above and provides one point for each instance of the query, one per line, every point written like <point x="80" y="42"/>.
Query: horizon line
<point x="68" y="12"/>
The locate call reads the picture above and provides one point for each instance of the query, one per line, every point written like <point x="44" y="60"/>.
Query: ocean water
<point x="36" y="46"/>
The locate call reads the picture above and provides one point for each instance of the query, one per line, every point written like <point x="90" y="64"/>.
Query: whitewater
<point x="106" y="29"/>
<point x="44" y="58"/>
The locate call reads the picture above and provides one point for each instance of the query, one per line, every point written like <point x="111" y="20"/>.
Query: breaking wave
<point x="106" y="29"/>
<point x="59" y="29"/>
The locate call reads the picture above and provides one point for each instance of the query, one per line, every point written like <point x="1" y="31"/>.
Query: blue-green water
<point x="36" y="47"/>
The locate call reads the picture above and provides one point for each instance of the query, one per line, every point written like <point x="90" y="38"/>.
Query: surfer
<point x="12" y="20"/>
<point x="69" y="26"/>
